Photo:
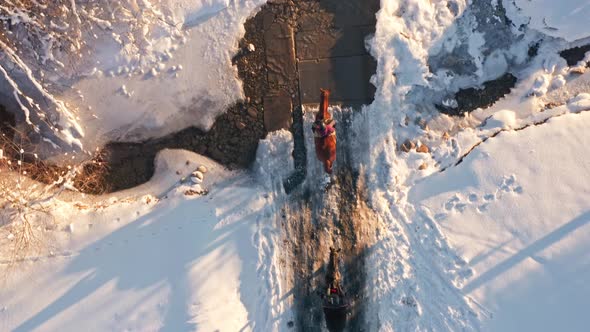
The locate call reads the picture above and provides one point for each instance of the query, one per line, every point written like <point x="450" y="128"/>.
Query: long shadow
<point x="135" y="257"/>
<point x="529" y="251"/>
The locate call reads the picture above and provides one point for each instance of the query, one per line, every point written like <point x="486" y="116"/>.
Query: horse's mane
<point x="323" y="114"/>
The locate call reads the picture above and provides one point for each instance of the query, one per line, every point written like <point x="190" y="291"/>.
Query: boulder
<point x="422" y="149"/>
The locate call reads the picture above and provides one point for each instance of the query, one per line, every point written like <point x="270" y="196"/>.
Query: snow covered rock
<point x="579" y="103"/>
<point x="196" y="177"/>
<point x="202" y="169"/>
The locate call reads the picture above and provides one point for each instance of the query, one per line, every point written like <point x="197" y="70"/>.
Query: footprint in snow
<point x="483" y="208"/>
<point x="451" y="203"/>
<point x="509" y="185"/>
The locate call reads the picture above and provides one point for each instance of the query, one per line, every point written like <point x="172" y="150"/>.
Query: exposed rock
<point x="423" y="166"/>
<point x="577" y="70"/>
<point x="253" y="112"/>
<point x="240" y="125"/>
<point x="407" y="146"/>
<point x="480" y="97"/>
<point x="446" y="136"/>
<point x="422" y="149"/>
<point x="197" y="174"/>
<point x="202" y="169"/>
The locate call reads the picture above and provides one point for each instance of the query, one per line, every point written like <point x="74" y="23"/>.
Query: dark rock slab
<point x="575" y="54"/>
<point x="347" y="78"/>
<point x="474" y="98"/>
<point x="278" y="109"/>
<point x="351" y="12"/>
<point x="334" y="42"/>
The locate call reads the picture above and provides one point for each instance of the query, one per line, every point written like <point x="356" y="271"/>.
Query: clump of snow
<point x="579" y="103"/>
<point x="504" y="119"/>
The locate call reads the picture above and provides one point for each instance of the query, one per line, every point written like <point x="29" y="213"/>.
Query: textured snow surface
<point x="145" y="69"/>
<point x="565" y="18"/>
<point x="517" y="209"/>
<point x="152" y="258"/>
<point x="488" y="231"/>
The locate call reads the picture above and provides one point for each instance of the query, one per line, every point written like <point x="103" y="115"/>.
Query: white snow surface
<point x="152" y="258"/>
<point x="517" y="210"/>
<point x="186" y="77"/>
<point x="564" y="18"/>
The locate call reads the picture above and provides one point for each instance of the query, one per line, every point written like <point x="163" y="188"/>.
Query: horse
<point x="325" y="133"/>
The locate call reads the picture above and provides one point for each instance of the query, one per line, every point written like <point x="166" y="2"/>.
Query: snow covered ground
<point x="517" y="209"/>
<point x="135" y="70"/>
<point x="565" y="20"/>
<point x="151" y="258"/>
<point x="487" y="231"/>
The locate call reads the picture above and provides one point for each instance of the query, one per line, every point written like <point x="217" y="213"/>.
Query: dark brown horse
<point x="325" y="134"/>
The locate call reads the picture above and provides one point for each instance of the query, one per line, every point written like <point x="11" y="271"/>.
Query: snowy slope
<point x="564" y="19"/>
<point x="518" y="210"/>
<point x="152" y="258"/>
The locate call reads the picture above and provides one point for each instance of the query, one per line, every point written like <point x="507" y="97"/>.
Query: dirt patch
<point x="314" y="222"/>
<point x="474" y="98"/>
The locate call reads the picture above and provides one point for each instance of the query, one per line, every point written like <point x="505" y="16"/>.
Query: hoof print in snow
<point x="440" y="216"/>
<point x="489" y="197"/>
<point x="510" y="185"/>
<point x="451" y="203"/>
<point x="483" y="208"/>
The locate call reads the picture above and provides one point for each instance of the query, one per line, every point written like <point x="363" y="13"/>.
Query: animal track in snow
<point x="459" y="203"/>
<point x="509" y="184"/>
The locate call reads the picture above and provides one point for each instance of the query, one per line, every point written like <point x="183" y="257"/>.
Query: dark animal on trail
<point x="324" y="132"/>
<point x="333" y="274"/>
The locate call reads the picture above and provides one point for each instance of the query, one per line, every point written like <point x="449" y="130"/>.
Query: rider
<point x="323" y="128"/>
